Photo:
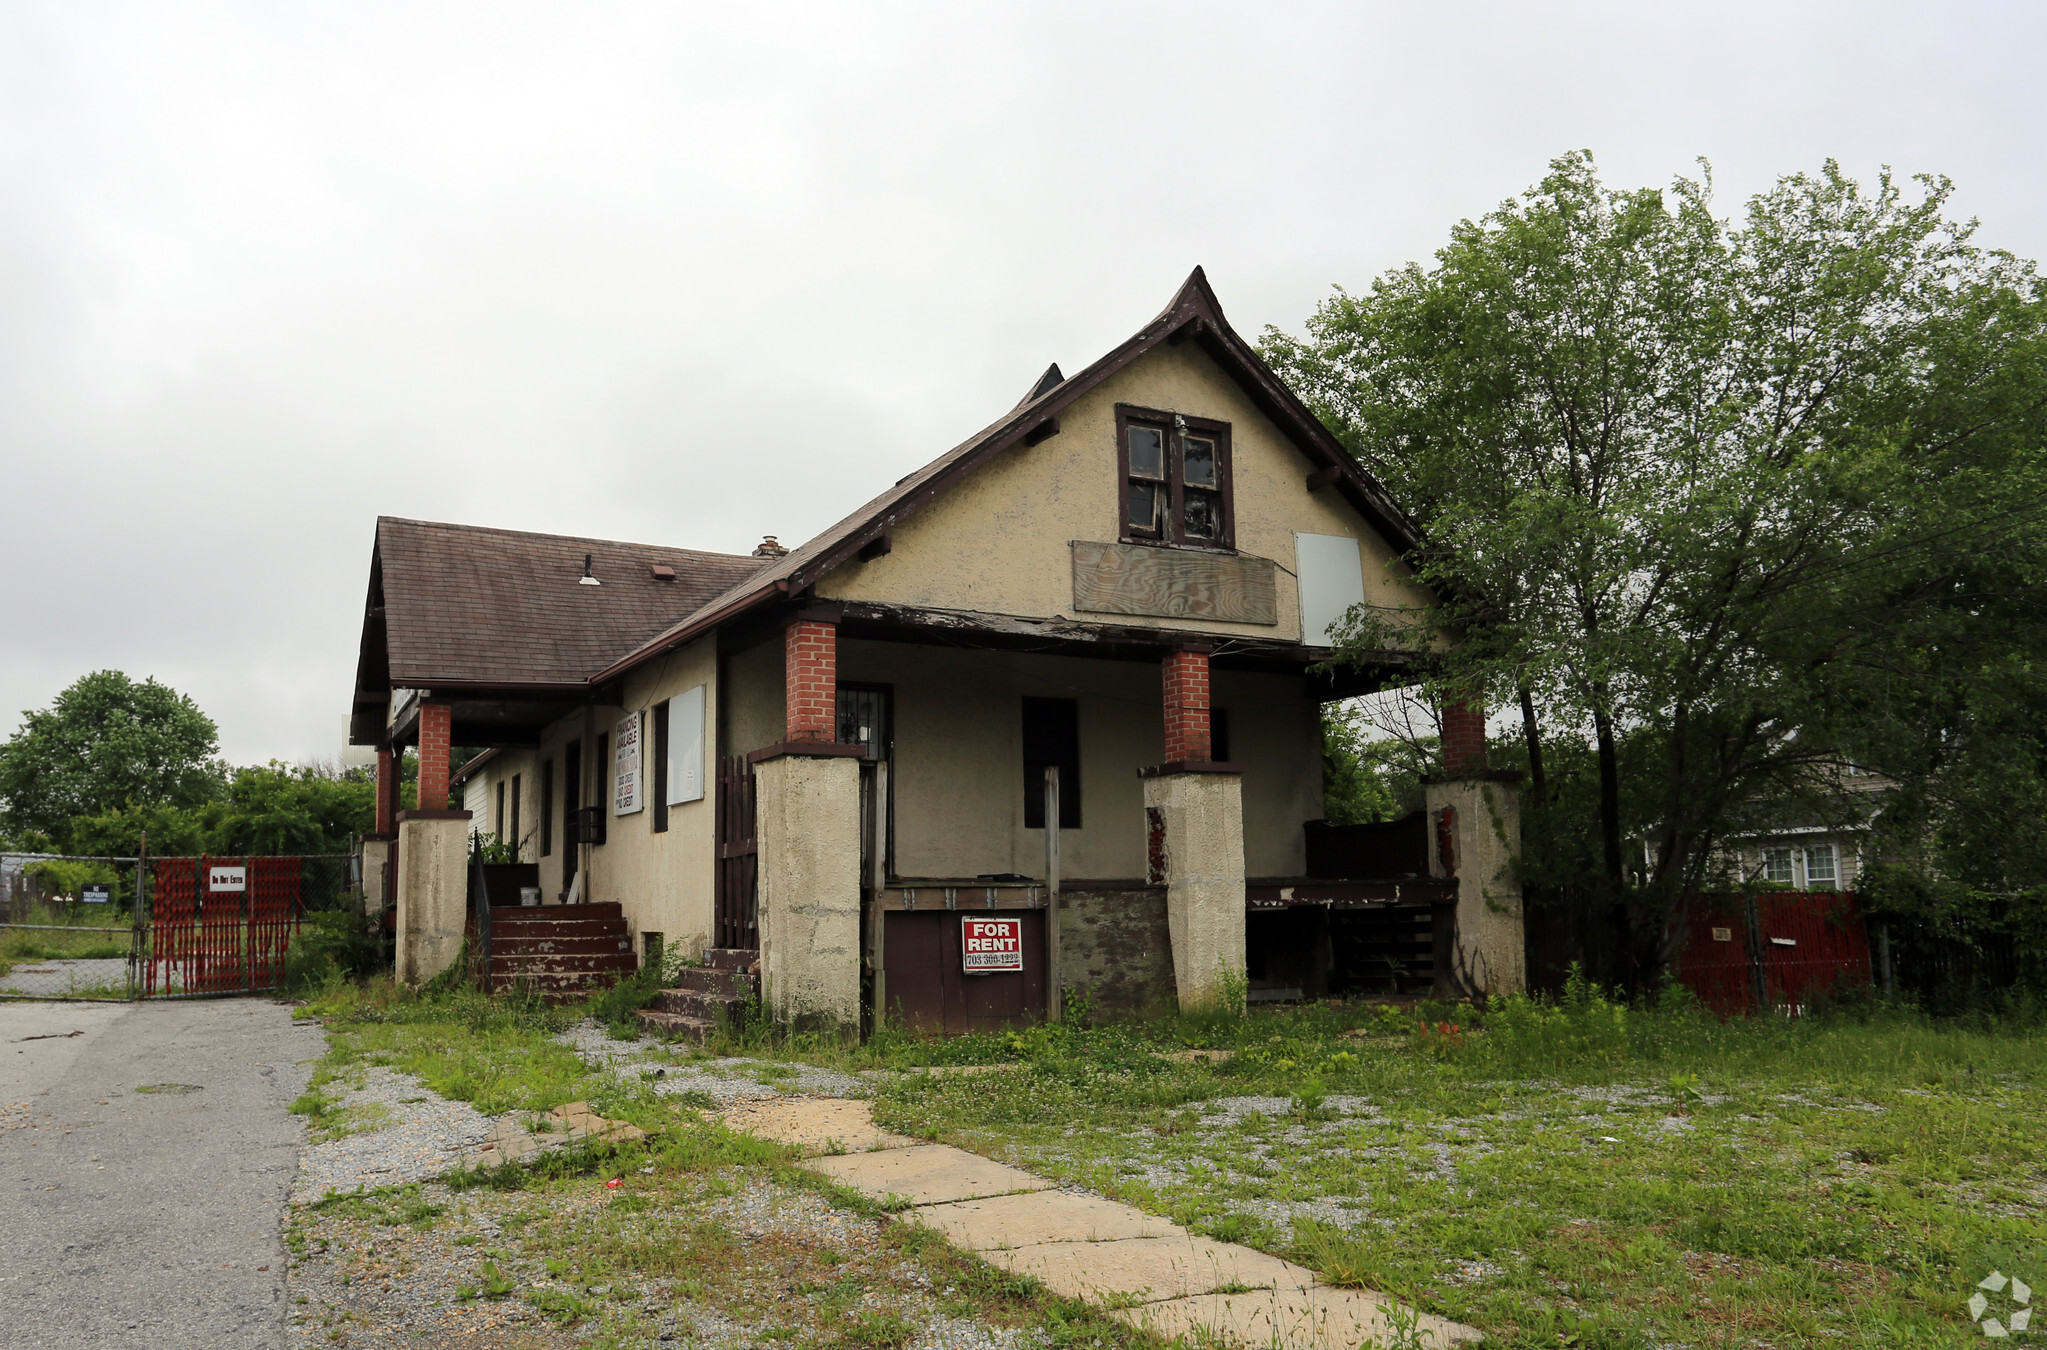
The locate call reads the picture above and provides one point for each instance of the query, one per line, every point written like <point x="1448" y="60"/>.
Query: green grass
<point x="1587" y="1175"/>
<point x="609" y="1265"/>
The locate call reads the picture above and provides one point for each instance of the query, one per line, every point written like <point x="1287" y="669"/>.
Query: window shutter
<point x="686" y="746"/>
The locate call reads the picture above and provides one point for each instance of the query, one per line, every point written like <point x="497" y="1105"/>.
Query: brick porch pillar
<point x="810" y="653"/>
<point x="387" y="791"/>
<point x="1187" y="724"/>
<point x="1463" y="738"/>
<point x="436" y="721"/>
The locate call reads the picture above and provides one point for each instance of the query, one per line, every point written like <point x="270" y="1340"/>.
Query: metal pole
<point x="1054" y="1002"/>
<point x="138" y="921"/>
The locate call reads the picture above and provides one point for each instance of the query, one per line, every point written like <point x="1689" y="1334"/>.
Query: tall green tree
<point x="1723" y="502"/>
<point x="108" y="742"/>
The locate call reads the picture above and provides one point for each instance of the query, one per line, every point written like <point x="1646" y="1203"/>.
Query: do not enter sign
<point x="991" y="945"/>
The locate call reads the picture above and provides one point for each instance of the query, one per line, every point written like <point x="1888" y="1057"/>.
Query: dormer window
<point x="1175" y="474"/>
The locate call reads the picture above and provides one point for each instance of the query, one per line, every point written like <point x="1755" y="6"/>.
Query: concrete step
<point x="692" y="1003"/>
<point x="679" y="1025"/>
<point x="718" y="983"/>
<point x="731" y="958"/>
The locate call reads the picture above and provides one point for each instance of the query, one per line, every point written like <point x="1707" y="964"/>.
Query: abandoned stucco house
<point x="1042" y="716"/>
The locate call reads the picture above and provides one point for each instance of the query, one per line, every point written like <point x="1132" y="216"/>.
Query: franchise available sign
<point x="991" y="946"/>
<point x="628" y="763"/>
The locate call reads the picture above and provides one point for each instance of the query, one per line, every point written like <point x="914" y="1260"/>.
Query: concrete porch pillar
<point x="1475" y="837"/>
<point x="807" y="821"/>
<point x="433" y="891"/>
<point x="1194" y="825"/>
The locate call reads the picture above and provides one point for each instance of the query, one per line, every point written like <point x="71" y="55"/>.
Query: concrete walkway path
<point x="145" y="1155"/>
<point x="1152" y="1272"/>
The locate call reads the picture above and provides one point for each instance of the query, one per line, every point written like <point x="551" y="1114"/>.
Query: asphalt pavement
<point x="154" y="1217"/>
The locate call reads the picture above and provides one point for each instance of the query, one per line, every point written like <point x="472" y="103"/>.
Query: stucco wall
<point x="662" y="882"/>
<point x="958" y="770"/>
<point x="998" y="542"/>
<point x="754" y="706"/>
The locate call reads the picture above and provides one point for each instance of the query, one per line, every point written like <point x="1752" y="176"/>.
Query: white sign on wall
<point x="990" y="946"/>
<point x="1332" y="578"/>
<point x="220" y="879"/>
<point x="627" y="765"/>
<point x="686" y="746"/>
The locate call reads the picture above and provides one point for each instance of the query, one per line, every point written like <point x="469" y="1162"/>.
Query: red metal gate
<point x="1773" y="950"/>
<point x="220" y="925"/>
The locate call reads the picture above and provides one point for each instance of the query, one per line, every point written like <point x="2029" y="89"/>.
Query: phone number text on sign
<point x="990" y="946"/>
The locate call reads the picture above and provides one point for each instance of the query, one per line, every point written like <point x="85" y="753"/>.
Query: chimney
<point x="769" y="548"/>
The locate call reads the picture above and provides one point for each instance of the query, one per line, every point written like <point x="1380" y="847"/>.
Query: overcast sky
<point x="687" y="274"/>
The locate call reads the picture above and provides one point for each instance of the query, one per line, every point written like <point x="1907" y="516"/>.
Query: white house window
<point x="1819" y="866"/>
<point x="1777" y="865"/>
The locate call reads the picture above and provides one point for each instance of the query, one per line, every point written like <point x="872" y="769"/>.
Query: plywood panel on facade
<point x="1173" y="583"/>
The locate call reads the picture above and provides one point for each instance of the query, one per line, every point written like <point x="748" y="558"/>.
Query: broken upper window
<point x="1175" y="478"/>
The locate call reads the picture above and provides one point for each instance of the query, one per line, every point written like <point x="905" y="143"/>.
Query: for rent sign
<point x="991" y="945"/>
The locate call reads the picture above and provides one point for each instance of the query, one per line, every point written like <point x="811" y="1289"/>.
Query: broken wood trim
<point x="878" y="547"/>
<point x="1322" y="478"/>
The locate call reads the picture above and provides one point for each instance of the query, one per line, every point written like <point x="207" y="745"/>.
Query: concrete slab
<point x="1313" y="1319"/>
<point x="926" y="1174"/>
<point x="1150" y="1268"/>
<point x="148" y="1217"/>
<point x="1043" y="1217"/>
<point x="525" y="1135"/>
<point x="815" y="1125"/>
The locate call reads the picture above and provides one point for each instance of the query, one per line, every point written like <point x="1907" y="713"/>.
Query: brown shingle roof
<point x="467" y="605"/>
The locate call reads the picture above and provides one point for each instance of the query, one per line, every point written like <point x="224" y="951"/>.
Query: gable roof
<point x="1193" y="315"/>
<point x="465" y="605"/>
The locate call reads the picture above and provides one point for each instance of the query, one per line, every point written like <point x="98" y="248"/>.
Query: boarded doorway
<point x="929" y="990"/>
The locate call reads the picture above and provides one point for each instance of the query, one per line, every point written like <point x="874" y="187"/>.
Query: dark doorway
<point x="572" y="801"/>
<point x="1051" y="736"/>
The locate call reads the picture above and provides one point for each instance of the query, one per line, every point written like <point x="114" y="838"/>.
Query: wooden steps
<point x="562" y="951"/>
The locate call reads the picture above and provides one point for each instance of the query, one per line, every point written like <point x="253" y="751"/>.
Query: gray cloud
<point x="689" y="274"/>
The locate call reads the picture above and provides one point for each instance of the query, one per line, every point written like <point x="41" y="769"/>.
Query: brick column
<point x="436" y="721"/>
<point x="1186" y="674"/>
<point x="811" y="681"/>
<point x="1463" y="738"/>
<point x="387" y="791"/>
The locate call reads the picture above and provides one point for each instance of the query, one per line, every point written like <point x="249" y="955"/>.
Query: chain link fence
<point x="67" y="926"/>
<point x="118" y="928"/>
